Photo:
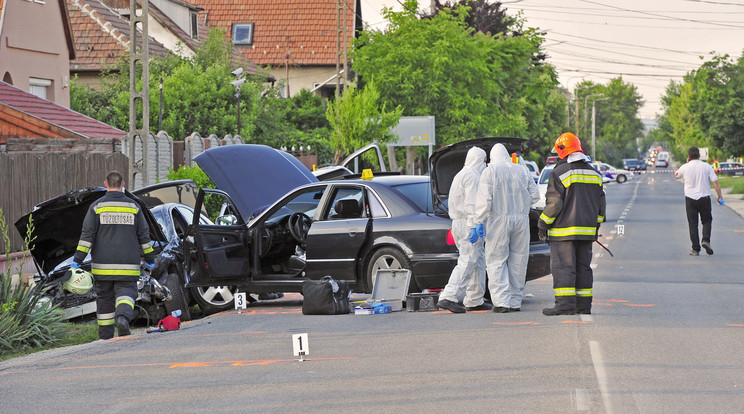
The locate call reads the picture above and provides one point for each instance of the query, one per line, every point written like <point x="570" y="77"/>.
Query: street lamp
<point x="239" y="80"/>
<point x="594" y="139"/>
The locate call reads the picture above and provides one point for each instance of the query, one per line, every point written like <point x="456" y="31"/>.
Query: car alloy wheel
<point x="214" y="299"/>
<point x="386" y="258"/>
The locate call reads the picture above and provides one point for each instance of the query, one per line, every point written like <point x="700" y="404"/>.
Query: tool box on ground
<point x="422" y="302"/>
<point x="325" y="296"/>
<point x="391" y="287"/>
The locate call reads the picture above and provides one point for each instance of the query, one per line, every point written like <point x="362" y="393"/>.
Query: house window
<point x="242" y="33"/>
<point x="194" y="26"/>
<point x="39" y="87"/>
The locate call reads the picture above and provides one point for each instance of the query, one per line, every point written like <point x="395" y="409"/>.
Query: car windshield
<point x="418" y="193"/>
<point x="545" y="175"/>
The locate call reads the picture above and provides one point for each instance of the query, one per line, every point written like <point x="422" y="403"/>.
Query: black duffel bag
<point x="325" y="296"/>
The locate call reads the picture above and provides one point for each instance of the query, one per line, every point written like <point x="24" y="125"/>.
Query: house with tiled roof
<point x="102" y="34"/>
<point x="296" y="40"/>
<point x="24" y="115"/>
<point x="36" y="46"/>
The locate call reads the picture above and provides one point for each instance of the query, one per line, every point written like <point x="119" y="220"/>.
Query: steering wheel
<point x="298" y="225"/>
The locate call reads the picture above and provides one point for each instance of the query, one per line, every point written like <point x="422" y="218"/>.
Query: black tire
<point x="179" y="298"/>
<point x="214" y="299"/>
<point x="387" y="258"/>
<point x="621" y="178"/>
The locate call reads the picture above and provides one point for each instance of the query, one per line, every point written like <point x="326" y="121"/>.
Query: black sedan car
<point x="345" y="228"/>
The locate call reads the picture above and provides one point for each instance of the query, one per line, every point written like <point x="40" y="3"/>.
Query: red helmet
<point x="567" y="143"/>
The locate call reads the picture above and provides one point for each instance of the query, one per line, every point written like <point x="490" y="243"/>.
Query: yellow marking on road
<point x="574" y="322"/>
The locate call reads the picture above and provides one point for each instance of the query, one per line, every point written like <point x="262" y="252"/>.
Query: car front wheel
<point x="388" y="258"/>
<point x="179" y="300"/>
<point x="214" y="299"/>
<point x="621" y="178"/>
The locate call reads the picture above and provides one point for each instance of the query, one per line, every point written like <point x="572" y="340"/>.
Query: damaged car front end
<point x="53" y="229"/>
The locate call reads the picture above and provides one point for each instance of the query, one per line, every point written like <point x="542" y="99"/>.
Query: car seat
<point x="346" y="209"/>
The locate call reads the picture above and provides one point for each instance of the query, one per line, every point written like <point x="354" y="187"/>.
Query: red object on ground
<point x="170" y="323"/>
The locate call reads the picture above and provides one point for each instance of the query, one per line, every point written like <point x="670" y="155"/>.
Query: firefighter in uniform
<point x="574" y="210"/>
<point x="116" y="234"/>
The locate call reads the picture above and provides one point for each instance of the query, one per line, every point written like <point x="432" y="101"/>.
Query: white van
<point x="662" y="160"/>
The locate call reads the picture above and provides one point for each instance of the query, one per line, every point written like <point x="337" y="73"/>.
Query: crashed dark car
<point x="284" y="226"/>
<point x="56" y="227"/>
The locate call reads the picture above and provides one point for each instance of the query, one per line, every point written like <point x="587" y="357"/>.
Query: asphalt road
<point x="665" y="336"/>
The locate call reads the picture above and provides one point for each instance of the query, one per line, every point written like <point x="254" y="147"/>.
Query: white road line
<point x="582" y="400"/>
<point x="599" y="370"/>
<point x="586" y="318"/>
<point x="593" y="265"/>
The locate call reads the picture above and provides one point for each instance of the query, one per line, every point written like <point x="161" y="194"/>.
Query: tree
<point x="356" y="118"/>
<point x="475" y="84"/>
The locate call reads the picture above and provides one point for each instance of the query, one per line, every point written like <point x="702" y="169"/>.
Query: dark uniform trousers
<point x="114" y="298"/>
<point x="693" y="208"/>
<point x="570" y="262"/>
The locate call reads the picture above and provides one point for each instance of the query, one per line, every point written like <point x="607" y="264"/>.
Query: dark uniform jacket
<point x="574" y="202"/>
<point x="116" y="233"/>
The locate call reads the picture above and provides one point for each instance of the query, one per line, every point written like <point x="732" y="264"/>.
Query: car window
<point x="545" y="176"/>
<point x="419" y="193"/>
<point x="304" y="202"/>
<point x="347" y="203"/>
<point x="375" y="205"/>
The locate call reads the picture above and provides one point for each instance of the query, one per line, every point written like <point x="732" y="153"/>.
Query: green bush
<point x="211" y="204"/>
<point x="23" y="323"/>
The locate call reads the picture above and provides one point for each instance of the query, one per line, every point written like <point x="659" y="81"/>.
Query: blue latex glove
<point x="473" y="235"/>
<point x="481" y="231"/>
<point x="74" y="265"/>
<point x="149" y="265"/>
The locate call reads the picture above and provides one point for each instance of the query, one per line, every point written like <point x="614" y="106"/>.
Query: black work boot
<point x="555" y="311"/>
<point x="453" y="307"/>
<point x="122" y="325"/>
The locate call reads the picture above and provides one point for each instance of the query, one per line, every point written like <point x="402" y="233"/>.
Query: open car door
<point x="220" y="252"/>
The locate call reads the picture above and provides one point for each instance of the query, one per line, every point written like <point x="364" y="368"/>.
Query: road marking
<point x="516" y="323"/>
<point x="582" y="400"/>
<point x="593" y="265"/>
<point x="586" y="318"/>
<point x="575" y="322"/>
<point x="599" y="370"/>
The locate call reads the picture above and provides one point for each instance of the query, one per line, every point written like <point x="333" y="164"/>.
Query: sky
<point x="647" y="42"/>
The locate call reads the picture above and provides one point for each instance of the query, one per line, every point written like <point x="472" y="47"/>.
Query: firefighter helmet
<point x="567" y="143"/>
<point x="79" y="281"/>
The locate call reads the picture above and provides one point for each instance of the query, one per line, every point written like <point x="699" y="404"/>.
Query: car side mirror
<point x="227" y="220"/>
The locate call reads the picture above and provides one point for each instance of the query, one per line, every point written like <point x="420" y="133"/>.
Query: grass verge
<point x="736" y="184"/>
<point x="72" y="334"/>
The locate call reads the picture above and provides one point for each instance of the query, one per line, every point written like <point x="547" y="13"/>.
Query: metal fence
<point x="28" y="178"/>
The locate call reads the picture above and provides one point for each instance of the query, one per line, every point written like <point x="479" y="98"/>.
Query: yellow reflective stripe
<point x="584" y="292"/>
<point x="546" y="219"/>
<point x="572" y="231"/>
<point x="565" y="291"/>
<point x="83" y="248"/>
<point x="148" y="250"/>
<point x="115" y="272"/>
<point x="600" y="219"/>
<point x="581" y="178"/>
<point x="106" y="209"/>
<point x="126" y="300"/>
<point x="105" y="322"/>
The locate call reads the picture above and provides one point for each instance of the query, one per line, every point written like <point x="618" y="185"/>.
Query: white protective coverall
<point x="468" y="278"/>
<point x="505" y="194"/>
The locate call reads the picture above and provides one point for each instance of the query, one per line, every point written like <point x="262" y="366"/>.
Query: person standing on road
<point x="574" y="210"/>
<point x="505" y="194"/>
<point x="116" y="234"/>
<point x="697" y="176"/>
<point x="468" y="278"/>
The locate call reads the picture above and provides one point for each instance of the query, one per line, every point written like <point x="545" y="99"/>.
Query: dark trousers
<point x="113" y="298"/>
<point x="702" y="208"/>
<point x="573" y="278"/>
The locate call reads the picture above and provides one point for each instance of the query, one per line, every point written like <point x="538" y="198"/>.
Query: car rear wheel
<point x="179" y="299"/>
<point x="621" y="178"/>
<point x="388" y="258"/>
<point x="214" y="299"/>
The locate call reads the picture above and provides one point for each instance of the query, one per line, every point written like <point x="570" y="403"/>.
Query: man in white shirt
<point x="697" y="176"/>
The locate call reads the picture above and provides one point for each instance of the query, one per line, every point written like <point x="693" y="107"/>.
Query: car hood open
<point x="58" y="222"/>
<point x="447" y="161"/>
<point x="253" y="175"/>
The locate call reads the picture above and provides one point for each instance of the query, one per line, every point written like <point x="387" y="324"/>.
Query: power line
<point x="659" y="15"/>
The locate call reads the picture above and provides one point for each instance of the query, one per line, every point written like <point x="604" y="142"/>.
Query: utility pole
<point x="594" y="139"/>
<point x="340" y="37"/>
<point x="139" y="56"/>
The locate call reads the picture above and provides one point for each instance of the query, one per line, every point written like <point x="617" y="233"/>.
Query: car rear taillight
<point x="450" y="238"/>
